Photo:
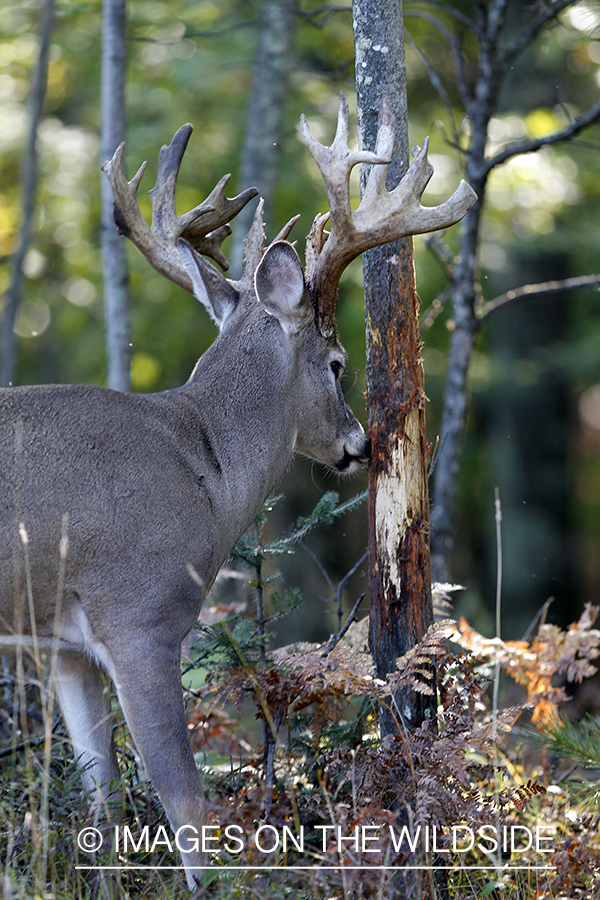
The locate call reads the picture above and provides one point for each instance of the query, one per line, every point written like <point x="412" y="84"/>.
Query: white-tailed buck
<point x="157" y="487"/>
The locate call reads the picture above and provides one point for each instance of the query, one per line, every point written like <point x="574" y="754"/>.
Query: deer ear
<point x="280" y="287"/>
<point x="211" y="288"/>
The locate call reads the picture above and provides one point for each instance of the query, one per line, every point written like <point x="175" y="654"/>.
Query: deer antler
<point x="204" y="227"/>
<point x="382" y="215"/>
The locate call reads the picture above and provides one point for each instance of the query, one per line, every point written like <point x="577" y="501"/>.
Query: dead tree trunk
<point x="114" y="261"/>
<point x="30" y="167"/>
<point x="400" y="593"/>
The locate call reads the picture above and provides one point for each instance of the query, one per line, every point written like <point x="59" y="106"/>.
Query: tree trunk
<point x="114" y="261"/>
<point x="400" y="594"/>
<point x="466" y="325"/>
<point x="456" y="395"/>
<point x="30" y="172"/>
<point x="266" y="107"/>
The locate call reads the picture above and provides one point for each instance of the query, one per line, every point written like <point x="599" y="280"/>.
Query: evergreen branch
<point x="324" y="515"/>
<point x="580" y="742"/>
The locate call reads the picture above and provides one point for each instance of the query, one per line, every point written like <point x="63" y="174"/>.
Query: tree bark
<point x="29" y="177"/>
<point x="462" y="343"/>
<point x="266" y="107"/>
<point x="114" y="261"/>
<point x="400" y="594"/>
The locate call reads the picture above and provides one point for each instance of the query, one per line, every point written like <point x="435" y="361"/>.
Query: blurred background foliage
<point x="534" y="426"/>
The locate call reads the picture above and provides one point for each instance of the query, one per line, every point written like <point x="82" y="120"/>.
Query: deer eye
<point x="336" y="368"/>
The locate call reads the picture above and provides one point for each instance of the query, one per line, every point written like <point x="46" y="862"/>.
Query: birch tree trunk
<point x="29" y="178"/>
<point x="400" y="593"/>
<point x="266" y="107"/>
<point x="112" y="132"/>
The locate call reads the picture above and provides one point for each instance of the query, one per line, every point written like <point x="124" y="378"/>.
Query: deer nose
<point x="354" y="457"/>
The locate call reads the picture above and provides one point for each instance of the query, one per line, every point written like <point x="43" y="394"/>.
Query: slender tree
<point x="265" y="113"/>
<point x="114" y="261"/>
<point x="497" y="55"/>
<point x="29" y="179"/>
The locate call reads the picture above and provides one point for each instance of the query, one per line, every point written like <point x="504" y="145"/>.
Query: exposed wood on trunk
<point x="400" y="596"/>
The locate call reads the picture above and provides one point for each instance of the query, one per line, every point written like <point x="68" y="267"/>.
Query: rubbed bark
<point x="29" y="178"/>
<point x="400" y="595"/>
<point x="114" y="261"/>
<point x="265" y="113"/>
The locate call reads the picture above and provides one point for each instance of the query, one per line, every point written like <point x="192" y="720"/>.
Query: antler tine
<point x="336" y="162"/>
<point x="205" y="226"/>
<point x="219" y="210"/>
<point x="253" y="245"/>
<point x="284" y="234"/>
<point x="382" y="216"/>
<point x="125" y="193"/>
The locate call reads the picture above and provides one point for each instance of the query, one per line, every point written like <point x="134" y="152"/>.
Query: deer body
<point x="175" y="475"/>
<point x="157" y="488"/>
<point x="153" y="485"/>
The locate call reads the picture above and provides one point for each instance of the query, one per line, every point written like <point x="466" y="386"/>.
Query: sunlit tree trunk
<point x="29" y="178"/>
<point x="114" y="261"/>
<point x="400" y="594"/>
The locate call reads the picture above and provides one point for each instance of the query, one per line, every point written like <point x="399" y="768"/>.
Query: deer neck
<point x="243" y="394"/>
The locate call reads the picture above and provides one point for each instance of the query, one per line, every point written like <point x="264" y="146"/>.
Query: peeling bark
<point x="400" y="595"/>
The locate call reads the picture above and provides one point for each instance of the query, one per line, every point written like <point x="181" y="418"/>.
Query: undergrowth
<point x="483" y="802"/>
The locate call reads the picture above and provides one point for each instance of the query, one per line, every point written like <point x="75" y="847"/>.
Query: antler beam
<point x="382" y="215"/>
<point x="204" y="227"/>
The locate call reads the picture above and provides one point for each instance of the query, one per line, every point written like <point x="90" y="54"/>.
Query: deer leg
<point x="84" y="700"/>
<point x="149" y="689"/>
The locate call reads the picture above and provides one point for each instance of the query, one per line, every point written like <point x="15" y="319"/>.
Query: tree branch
<point x="436" y="84"/>
<point x="527" y="34"/>
<point x="433" y="311"/>
<point x="453" y="12"/>
<point x="456" y="55"/>
<point x="442" y="254"/>
<point x="532" y="144"/>
<point x="337" y="637"/>
<point x="537" y="291"/>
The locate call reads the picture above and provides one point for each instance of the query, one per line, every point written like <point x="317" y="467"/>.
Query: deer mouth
<point x="351" y="461"/>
